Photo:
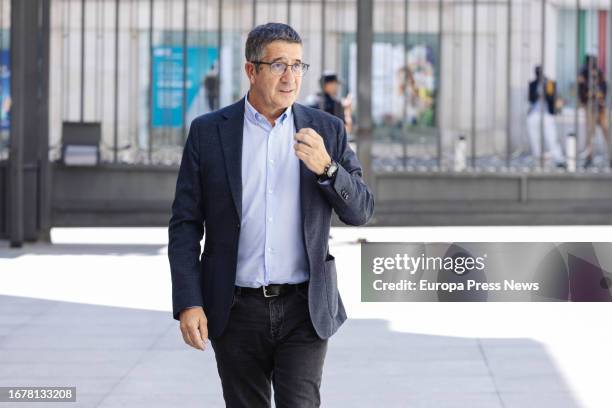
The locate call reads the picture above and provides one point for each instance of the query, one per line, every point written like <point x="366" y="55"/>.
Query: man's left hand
<point x="311" y="150"/>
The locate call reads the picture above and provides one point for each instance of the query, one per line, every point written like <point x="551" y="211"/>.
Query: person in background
<point x="211" y="85"/>
<point x="328" y="101"/>
<point x="592" y="90"/>
<point x="542" y="98"/>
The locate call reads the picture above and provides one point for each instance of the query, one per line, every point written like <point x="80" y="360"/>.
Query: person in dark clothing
<point x="211" y="85"/>
<point x="592" y="90"/>
<point x="550" y="93"/>
<point x="327" y="99"/>
<point x="542" y="98"/>
<point x="262" y="177"/>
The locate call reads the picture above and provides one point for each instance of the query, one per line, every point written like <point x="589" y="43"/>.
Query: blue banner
<point x="200" y="85"/>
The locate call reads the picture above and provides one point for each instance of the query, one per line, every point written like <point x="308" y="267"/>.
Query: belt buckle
<point x="266" y="293"/>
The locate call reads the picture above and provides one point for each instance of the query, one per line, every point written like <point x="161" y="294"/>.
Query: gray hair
<point x="262" y="35"/>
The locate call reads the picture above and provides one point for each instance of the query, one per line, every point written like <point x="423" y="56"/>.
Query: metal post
<point x="577" y="75"/>
<point x="66" y="79"/>
<point x="543" y="105"/>
<point x="44" y="193"/>
<point x="150" y="90"/>
<point x="184" y="87"/>
<point x="473" y="124"/>
<point x="82" y="59"/>
<point x="439" y="88"/>
<point x="98" y="29"/>
<point x="16" y="165"/>
<point x="288" y="12"/>
<point x="322" y="36"/>
<point x="509" y="87"/>
<point x="608" y="98"/>
<point x="364" y="85"/>
<point x="219" y="47"/>
<point x="254" y="22"/>
<point x="116" y="80"/>
<point x="405" y="107"/>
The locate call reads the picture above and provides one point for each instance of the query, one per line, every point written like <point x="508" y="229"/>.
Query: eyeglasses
<point x="279" y="68"/>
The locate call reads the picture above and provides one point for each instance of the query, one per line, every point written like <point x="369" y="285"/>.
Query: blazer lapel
<point x="230" y="133"/>
<point x="302" y="120"/>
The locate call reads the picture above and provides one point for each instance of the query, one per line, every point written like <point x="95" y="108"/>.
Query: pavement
<point x="69" y="316"/>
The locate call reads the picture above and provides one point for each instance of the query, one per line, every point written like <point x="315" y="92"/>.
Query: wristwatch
<point x="329" y="172"/>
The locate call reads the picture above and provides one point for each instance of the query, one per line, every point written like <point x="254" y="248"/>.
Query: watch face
<point x="332" y="169"/>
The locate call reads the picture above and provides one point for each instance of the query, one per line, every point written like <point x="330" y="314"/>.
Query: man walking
<point x="263" y="175"/>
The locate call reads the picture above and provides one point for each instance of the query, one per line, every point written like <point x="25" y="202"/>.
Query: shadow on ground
<point x="80" y="249"/>
<point x="119" y="357"/>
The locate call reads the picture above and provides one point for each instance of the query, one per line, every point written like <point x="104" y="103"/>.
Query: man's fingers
<point x="191" y="334"/>
<point x="191" y="340"/>
<point x="303" y="138"/>
<point x="194" y="338"/>
<point x="301" y="155"/>
<point x="185" y="336"/>
<point x="309" y="131"/>
<point x="303" y="148"/>
<point x="204" y="331"/>
<point x="309" y="137"/>
<point x="194" y="327"/>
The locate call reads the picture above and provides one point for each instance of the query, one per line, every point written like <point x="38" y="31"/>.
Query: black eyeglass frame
<point x="303" y="65"/>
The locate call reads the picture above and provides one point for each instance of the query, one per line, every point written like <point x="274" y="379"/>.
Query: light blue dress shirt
<point x="271" y="246"/>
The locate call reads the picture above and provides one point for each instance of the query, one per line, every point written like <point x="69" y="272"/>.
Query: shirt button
<point x="270" y="190"/>
<point x="270" y="219"/>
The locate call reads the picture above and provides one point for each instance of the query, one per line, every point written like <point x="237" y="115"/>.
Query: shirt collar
<point x="254" y="116"/>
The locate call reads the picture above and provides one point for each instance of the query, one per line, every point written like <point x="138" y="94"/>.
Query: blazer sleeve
<point x="186" y="228"/>
<point x="347" y="193"/>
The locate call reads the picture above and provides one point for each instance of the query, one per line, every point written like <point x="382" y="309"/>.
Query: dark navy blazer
<point x="209" y="192"/>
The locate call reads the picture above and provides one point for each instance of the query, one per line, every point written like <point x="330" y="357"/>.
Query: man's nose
<point x="288" y="75"/>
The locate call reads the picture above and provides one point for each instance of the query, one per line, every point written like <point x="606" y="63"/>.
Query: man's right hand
<point x="194" y="327"/>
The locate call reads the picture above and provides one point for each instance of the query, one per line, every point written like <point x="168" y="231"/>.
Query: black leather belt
<point x="272" y="290"/>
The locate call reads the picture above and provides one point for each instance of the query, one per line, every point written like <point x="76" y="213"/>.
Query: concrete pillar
<point x="28" y="181"/>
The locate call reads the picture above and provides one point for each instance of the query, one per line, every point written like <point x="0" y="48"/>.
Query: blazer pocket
<point x="331" y="284"/>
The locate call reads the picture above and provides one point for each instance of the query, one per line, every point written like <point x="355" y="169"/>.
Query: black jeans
<point x="270" y="341"/>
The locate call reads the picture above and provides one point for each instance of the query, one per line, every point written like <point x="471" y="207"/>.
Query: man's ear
<point x="249" y="68"/>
